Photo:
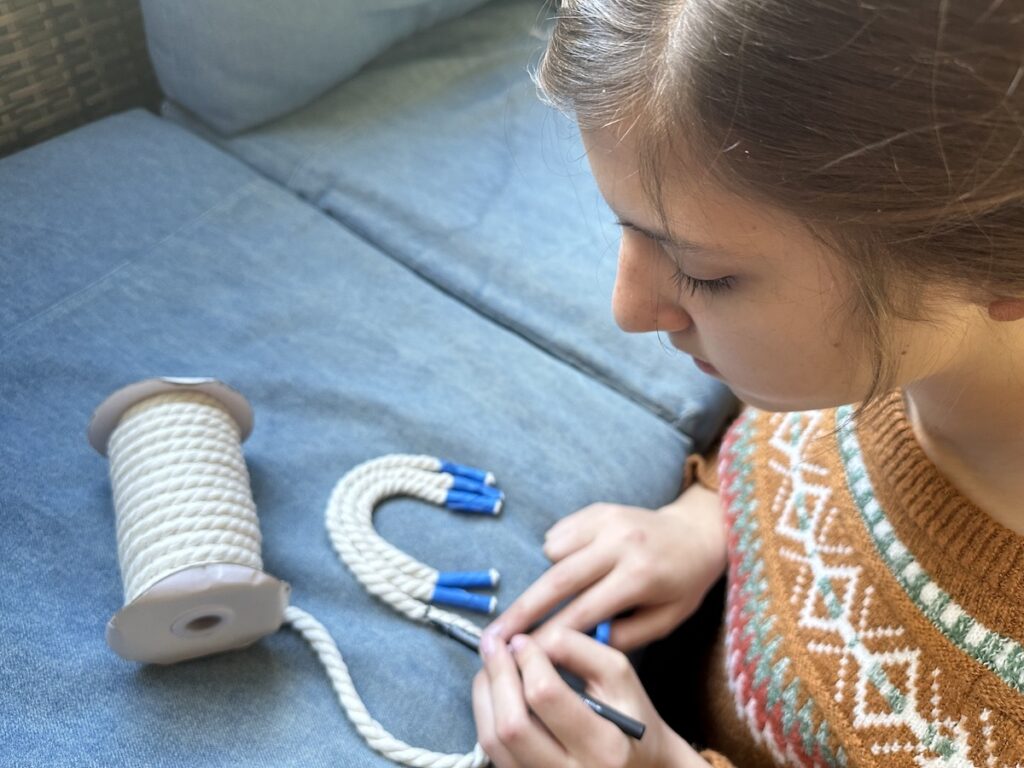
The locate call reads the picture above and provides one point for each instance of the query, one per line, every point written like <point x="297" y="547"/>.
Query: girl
<point x="822" y="202"/>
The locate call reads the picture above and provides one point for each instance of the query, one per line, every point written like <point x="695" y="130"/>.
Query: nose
<point x="645" y="298"/>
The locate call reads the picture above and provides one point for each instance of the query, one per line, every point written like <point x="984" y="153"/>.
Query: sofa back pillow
<point x="239" y="63"/>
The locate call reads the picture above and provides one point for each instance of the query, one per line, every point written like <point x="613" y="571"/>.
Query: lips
<point x="702" y="365"/>
<point x="706" y="367"/>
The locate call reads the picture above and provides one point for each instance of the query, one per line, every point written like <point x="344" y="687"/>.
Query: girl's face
<point x="745" y="290"/>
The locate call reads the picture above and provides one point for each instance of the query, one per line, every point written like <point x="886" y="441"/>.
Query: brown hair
<point x="893" y="128"/>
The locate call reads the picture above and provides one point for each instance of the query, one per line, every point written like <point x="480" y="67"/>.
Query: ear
<point x="1006" y="310"/>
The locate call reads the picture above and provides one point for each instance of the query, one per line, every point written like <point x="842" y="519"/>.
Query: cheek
<point x="780" y="360"/>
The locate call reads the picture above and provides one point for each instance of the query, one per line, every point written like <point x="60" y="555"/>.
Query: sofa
<point x="401" y="252"/>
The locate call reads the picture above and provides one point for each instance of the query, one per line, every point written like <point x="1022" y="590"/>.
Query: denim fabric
<point x="239" y="64"/>
<point x="441" y="154"/>
<point x="130" y="249"/>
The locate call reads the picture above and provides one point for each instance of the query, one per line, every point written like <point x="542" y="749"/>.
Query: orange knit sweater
<point x="874" y="616"/>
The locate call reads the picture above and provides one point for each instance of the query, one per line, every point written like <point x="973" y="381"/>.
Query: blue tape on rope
<point x="603" y="632"/>
<point x="491" y="491"/>
<point x="472" y="502"/>
<point x="467" y="579"/>
<point x="460" y="598"/>
<point x="468" y="485"/>
<point x="463" y="471"/>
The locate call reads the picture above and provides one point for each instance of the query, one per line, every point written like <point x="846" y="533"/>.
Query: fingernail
<point x="494" y="629"/>
<point x="517" y="643"/>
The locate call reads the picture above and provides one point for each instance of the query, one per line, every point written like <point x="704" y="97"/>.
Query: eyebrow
<point x="687" y="246"/>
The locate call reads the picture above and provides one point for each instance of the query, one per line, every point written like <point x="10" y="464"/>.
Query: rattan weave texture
<point x="67" y="62"/>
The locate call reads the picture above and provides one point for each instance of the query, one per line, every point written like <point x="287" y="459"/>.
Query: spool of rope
<point x="189" y="541"/>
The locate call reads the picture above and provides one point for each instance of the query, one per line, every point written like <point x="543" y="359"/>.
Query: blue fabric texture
<point x="441" y="154"/>
<point x="131" y="248"/>
<point x="239" y="64"/>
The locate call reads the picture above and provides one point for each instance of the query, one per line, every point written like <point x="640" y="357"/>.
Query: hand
<point x="614" y="558"/>
<point x="528" y="717"/>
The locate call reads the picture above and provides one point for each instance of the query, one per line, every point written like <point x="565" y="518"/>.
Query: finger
<point x="561" y="546"/>
<point x="580" y="519"/>
<point x="607" y="598"/>
<point x="600" y="664"/>
<point x="516" y="729"/>
<point x="483" y="714"/>
<point x="565" y="578"/>
<point x="571" y="534"/>
<point x="571" y="721"/>
<point x="645" y="626"/>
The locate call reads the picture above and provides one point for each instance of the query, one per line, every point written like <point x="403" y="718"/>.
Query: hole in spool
<point x="203" y="623"/>
<point x="202" y="620"/>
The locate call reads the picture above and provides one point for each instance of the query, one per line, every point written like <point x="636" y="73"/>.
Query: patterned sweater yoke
<point x="874" y="616"/>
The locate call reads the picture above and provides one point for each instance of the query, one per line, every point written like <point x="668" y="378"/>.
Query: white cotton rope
<point x="181" y="490"/>
<point x="386" y="572"/>
<point x="182" y="497"/>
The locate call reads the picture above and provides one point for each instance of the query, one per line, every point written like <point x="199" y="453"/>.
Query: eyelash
<point x="693" y="285"/>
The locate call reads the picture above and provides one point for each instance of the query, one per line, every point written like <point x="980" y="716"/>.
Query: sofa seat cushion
<point x="176" y="259"/>
<point x="440" y="154"/>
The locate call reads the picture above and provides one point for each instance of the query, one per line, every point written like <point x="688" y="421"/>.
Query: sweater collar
<point x="963" y="549"/>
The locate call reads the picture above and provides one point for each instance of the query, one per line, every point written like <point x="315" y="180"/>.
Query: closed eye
<point x="681" y="280"/>
<point x="684" y="281"/>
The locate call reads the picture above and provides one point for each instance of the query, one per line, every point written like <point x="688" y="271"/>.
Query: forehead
<point x="694" y="205"/>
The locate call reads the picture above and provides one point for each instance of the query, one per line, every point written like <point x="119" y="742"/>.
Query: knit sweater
<point x="874" y="616"/>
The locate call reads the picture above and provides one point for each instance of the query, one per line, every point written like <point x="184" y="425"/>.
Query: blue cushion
<point x="176" y="259"/>
<point x="441" y="154"/>
<point x="239" y="64"/>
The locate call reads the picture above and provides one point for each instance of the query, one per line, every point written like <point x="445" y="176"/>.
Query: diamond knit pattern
<point x="840" y="647"/>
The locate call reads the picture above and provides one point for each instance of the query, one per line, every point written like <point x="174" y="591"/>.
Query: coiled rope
<point x="182" y="496"/>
